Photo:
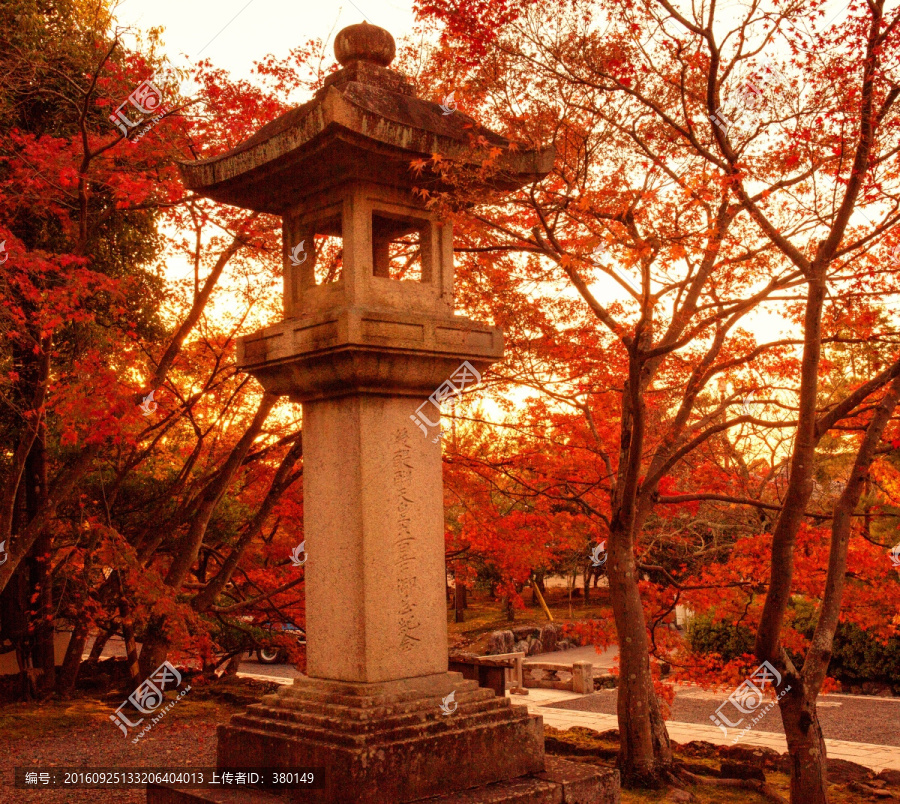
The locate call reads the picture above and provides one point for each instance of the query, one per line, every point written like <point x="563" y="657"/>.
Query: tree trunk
<point x="156" y="642"/>
<point x="281" y="482"/>
<point x="806" y="746"/>
<point x="234" y="664"/>
<point x="131" y="651"/>
<point x="40" y="580"/>
<point x="459" y="596"/>
<point x="100" y="644"/>
<point x="13" y="618"/>
<point x="68" y="674"/>
<point x="645" y="755"/>
<point x="587" y="585"/>
<point x="155" y="647"/>
<point x="809" y="767"/>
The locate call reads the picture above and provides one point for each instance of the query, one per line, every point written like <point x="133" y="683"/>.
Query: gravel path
<point x="843" y="717"/>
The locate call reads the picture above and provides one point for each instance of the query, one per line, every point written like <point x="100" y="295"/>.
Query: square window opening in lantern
<point x="329" y="258"/>
<point x="397" y="247"/>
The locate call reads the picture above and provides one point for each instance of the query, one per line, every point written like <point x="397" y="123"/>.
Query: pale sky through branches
<point x="262" y="27"/>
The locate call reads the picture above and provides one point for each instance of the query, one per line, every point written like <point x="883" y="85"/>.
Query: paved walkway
<point x="876" y="757"/>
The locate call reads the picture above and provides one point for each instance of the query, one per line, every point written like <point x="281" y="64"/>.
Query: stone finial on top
<point x="364" y="42"/>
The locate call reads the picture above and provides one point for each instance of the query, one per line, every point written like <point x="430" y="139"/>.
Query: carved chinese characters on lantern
<point x="408" y="620"/>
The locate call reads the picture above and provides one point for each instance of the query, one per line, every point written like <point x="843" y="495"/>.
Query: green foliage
<point x="857" y="655"/>
<point x="707" y="635"/>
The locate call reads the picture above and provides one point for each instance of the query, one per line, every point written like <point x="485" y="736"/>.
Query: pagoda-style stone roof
<point x="365" y="124"/>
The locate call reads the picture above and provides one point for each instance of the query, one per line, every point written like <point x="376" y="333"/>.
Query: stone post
<point x="375" y="539"/>
<point x="583" y="678"/>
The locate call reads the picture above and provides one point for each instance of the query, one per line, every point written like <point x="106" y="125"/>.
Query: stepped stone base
<point x="387" y="742"/>
<point x="561" y="783"/>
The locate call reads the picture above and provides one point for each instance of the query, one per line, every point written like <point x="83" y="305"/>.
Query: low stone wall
<point x="530" y="640"/>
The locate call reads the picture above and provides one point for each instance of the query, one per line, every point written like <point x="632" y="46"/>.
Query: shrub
<point x="857" y="656"/>
<point x="706" y="635"/>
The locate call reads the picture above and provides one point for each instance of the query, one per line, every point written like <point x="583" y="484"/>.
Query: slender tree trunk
<point x="131" y="651"/>
<point x="13" y="618"/>
<point x="66" y="479"/>
<point x="100" y="644"/>
<point x="234" y="664"/>
<point x="156" y="643"/>
<point x="645" y="755"/>
<point x="280" y="483"/>
<point x="806" y="745"/>
<point x="68" y="673"/>
<point x="41" y="581"/>
<point x="459" y="596"/>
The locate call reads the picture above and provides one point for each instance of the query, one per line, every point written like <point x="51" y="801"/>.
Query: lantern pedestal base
<point x="392" y="743"/>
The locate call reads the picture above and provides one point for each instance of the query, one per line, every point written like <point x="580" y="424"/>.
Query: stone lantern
<point x="370" y="345"/>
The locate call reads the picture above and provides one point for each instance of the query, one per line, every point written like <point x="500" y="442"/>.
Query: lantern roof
<point x="364" y="124"/>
